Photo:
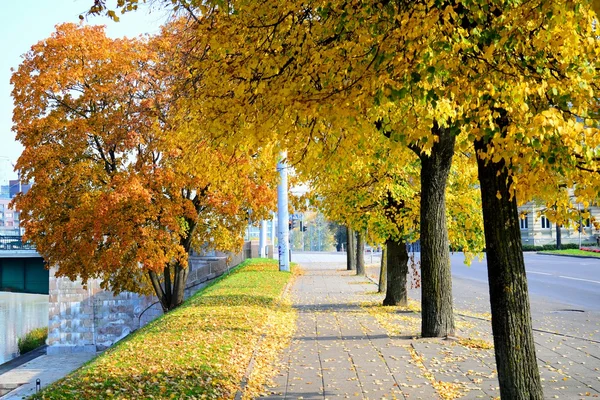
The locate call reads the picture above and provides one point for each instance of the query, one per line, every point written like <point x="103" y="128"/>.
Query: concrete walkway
<point x="341" y="349"/>
<point x="46" y="368"/>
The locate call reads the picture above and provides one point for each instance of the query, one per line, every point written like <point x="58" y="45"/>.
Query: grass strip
<point x="198" y="351"/>
<point x="573" y="252"/>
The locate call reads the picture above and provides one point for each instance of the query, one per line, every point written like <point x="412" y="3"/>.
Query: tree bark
<point x="360" y="253"/>
<point x="558" y="237"/>
<point x="350" y="250"/>
<point x="437" y="316"/>
<point x="158" y="289"/>
<point x="167" y="286"/>
<point x="383" y="272"/>
<point x="181" y="274"/>
<point x="170" y="294"/>
<point x="516" y="362"/>
<point x="397" y="269"/>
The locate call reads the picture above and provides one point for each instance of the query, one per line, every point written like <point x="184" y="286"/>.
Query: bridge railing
<point x="14" y="243"/>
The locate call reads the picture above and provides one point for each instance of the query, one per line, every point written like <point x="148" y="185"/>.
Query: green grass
<point x="32" y="340"/>
<point x="573" y="252"/>
<point x="550" y="247"/>
<point x="199" y="350"/>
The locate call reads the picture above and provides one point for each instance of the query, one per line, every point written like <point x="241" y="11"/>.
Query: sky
<point x="25" y="23"/>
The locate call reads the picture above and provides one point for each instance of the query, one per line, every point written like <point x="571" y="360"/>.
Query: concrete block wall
<point x="70" y="325"/>
<point x="87" y="319"/>
<point x="90" y="319"/>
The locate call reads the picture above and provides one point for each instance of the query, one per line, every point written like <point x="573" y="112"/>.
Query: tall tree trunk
<point x="397" y="269"/>
<point x="516" y="362"/>
<point x="383" y="272"/>
<point x="437" y="317"/>
<point x="170" y="293"/>
<point x="167" y="286"/>
<point x="159" y="291"/>
<point x="181" y="274"/>
<point x="360" y="253"/>
<point x="350" y="250"/>
<point x="558" y="237"/>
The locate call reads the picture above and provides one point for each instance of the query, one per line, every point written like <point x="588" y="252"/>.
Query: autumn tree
<point x="363" y="187"/>
<point x="382" y="284"/>
<point x="121" y="192"/>
<point x="519" y="82"/>
<point x="514" y="78"/>
<point x="269" y="90"/>
<point x="350" y="249"/>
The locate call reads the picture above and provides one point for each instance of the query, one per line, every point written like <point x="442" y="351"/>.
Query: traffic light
<point x="291" y="224"/>
<point x="302" y="226"/>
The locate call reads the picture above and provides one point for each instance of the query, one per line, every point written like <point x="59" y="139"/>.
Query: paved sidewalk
<point x="46" y="368"/>
<point x="341" y="350"/>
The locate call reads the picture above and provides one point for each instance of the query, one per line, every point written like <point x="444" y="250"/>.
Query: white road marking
<point x="564" y="277"/>
<point x="579" y="279"/>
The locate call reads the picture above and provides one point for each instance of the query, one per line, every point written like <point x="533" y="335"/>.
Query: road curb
<point x="22" y="359"/>
<point x="566" y="255"/>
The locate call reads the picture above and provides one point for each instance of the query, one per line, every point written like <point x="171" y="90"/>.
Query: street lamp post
<point x="580" y="223"/>
<point x="283" y="215"/>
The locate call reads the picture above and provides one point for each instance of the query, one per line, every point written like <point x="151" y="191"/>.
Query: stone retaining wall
<point x="89" y="319"/>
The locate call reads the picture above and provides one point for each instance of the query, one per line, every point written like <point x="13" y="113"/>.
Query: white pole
<point x="262" y="239"/>
<point x="283" y="215"/>
<point x="580" y="224"/>
<point x="273" y="234"/>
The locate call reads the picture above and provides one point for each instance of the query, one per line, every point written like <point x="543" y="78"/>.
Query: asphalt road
<point x="568" y="281"/>
<point x="574" y="282"/>
<point x="564" y="291"/>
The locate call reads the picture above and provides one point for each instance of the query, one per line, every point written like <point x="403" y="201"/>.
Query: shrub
<point x="564" y="246"/>
<point x="593" y="249"/>
<point x="32" y="340"/>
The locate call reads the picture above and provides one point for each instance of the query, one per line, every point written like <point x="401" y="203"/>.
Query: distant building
<point x="15" y="187"/>
<point x="537" y="230"/>
<point x="9" y="219"/>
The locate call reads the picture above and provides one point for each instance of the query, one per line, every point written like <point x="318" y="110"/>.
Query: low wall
<point x="90" y="319"/>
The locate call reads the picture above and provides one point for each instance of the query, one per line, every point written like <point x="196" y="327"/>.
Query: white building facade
<point x="537" y="230"/>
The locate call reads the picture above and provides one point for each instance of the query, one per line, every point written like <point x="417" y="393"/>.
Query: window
<point x="523" y="221"/>
<point x="587" y="223"/>
<point x="545" y="223"/>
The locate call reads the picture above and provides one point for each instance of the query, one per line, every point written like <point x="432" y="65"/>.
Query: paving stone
<point x="340" y="350"/>
<point x="46" y="368"/>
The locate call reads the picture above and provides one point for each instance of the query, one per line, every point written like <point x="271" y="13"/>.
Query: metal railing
<point x="14" y="243"/>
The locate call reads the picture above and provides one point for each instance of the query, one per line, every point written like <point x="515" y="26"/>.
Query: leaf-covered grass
<point x="199" y="350"/>
<point x="32" y="340"/>
<point x="573" y="252"/>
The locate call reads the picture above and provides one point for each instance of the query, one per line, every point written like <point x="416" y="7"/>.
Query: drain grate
<point x="569" y="310"/>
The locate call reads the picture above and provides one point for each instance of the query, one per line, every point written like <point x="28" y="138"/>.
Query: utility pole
<point x="273" y="233"/>
<point x="302" y="227"/>
<point x="262" y="242"/>
<point x="580" y="224"/>
<point x="283" y="214"/>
